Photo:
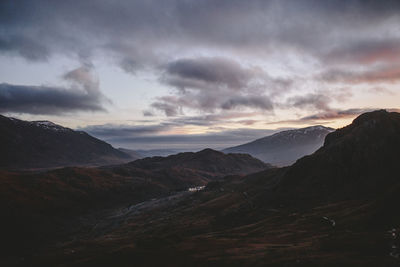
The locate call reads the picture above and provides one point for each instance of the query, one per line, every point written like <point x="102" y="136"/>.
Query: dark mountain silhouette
<point x="357" y="160"/>
<point x="214" y="162"/>
<point x="43" y="144"/>
<point x="284" y="148"/>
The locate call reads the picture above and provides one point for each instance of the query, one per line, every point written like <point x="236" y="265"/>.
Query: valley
<point x="215" y="209"/>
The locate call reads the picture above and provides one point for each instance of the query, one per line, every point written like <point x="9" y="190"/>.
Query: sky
<point x="190" y="74"/>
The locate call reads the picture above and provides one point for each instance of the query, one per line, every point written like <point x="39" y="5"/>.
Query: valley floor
<point x="221" y="229"/>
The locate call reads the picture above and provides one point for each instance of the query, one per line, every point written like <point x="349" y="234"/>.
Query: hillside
<point x="39" y="207"/>
<point x="43" y="144"/>
<point x="359" y="160"/>
<point x="207" y="160"/>
<point x="284" y="148"/>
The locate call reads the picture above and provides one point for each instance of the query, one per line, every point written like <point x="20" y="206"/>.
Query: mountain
<point x="208" y="161"/>
<point x="357" y="160"/>
<point x="284" y="148"/>
<point x="138" y="180"/>
<point x="43" y="144"/>
<point x="181" y="171"/>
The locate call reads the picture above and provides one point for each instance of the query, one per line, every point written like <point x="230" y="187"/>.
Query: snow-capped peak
<point x="302" y="131"/>
<point x="49" y="125"/>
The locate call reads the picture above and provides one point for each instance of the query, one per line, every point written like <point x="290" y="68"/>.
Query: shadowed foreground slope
<point x="42" y="208"/>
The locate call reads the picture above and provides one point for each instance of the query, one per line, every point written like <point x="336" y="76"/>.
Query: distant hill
<point x="138" y="180"/>
<point x="284" y="148"/>
<point x="135" y="181"/>
<point x="43" y="144"/>
<point x="213" y="162"/>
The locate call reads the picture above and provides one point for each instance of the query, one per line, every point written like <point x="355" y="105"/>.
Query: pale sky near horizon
<point x="194" y="73"/>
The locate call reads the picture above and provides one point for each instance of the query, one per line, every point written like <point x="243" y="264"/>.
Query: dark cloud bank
<point x="37" y="29"/>
<point x="212" y="83"/>
<point x="157" y="37"/>
<point x="82" y="95"/>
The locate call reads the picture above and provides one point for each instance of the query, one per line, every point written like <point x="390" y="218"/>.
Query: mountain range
<point x="284" y="148"/>
<point x="335" y="207"/>
<point x="43" y="144"/>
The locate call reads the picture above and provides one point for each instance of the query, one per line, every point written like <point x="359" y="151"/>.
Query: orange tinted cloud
<point x="387" y="74"/>
<point x="366" y="52"/>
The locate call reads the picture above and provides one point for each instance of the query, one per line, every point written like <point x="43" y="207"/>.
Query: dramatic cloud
<point x="131" y="29"/>
<point x="335" y="114"/>
<point x="166" y="104"/>
<point x="84" y="95"/>
<point x="25" y="47"/>
<point x="386" y="74"/>
<point x="208" y="73"/>
<point x="214" y="83"/>
<point x="320" y="101"/>
<point x="314" y="101"/>
<point x="214" y="119"/>
<point x="369" y="51"/>
<point x="262" y="103"/>
<point x="107" y="131"/>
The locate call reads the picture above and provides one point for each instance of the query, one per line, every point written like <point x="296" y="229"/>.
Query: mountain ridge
<point x="44" y="144"/>
<point x="285" y="147"/>
<point x="208" y="160"/>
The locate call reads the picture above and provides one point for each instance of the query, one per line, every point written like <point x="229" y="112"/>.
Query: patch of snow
<point x="48" y="125"/>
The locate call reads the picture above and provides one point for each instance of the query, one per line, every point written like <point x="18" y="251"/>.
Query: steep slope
<point x="284" y="148"/>
<point x="357" y="160"/>
<point x="43" y="144"/>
